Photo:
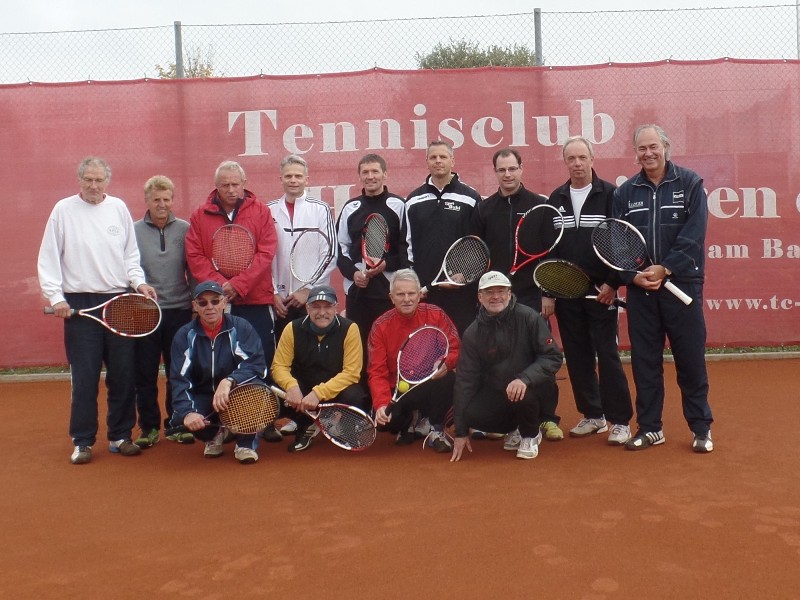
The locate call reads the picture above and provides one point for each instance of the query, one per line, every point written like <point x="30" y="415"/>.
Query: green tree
<point x="461" y="54"/>
<point x="196" y="63"/>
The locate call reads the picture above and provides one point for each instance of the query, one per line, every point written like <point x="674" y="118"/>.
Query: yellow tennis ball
<point x="402" y="387"/>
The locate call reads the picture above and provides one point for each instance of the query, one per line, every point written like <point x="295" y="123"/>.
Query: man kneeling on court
<point x="319" y="359"/>
<point x="508" y="358"/>
<point x="432" y="398"/>
<point x="210" y="355"/>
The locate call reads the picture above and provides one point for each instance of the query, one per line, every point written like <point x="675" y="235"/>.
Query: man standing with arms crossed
<point x="89" y="255"/>
<point x="589" y="328"/>
<point x="495" y="222"/>
<point x="437" y="214"/>
<point x="160" y="236"/>
<point x="668" y="204"/>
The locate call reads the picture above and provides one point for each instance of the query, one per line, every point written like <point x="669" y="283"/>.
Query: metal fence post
<point x="537" y="35"/>
<point x="178" y="50"/>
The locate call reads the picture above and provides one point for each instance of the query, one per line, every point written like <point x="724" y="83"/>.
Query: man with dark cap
<point x="319" y="359"/>
<point x="210" y="355"/>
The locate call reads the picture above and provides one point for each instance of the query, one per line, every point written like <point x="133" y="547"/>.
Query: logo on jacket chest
<point x="450" y="205"/>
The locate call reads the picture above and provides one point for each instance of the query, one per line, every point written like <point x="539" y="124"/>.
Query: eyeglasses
<point x="509" y="170"/>
<point x="204" y="303"/>
<point x="91" y="180"/>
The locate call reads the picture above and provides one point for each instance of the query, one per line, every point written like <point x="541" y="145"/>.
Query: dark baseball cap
<point x="207" y="286"/>
<point x="322" y="292"/>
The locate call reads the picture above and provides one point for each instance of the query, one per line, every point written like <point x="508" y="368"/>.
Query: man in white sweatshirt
<point x="87" y="256"/>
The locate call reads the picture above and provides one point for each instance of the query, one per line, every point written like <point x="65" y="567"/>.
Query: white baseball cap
<point x="493" y="279"/>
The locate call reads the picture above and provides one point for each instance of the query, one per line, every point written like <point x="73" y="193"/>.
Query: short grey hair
<point x="404" y="275"/>
<point x="94" y="161"/>
<point x="229" y="165"/>
<point x="577" y="138"/>
<point x="441" y="143"/>
<point x="661" y="134"/>
<point x="294" y="159"/>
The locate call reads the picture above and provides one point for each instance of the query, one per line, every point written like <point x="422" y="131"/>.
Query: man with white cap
<point x="319" y="359"/>
<point x="508" y="361"/>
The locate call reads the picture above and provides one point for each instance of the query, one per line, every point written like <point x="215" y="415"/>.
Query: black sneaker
<point x="303" y="439"/>
<point x="404" y="438"/>
<point x="272" y="435"/>
<point x="645" y="439"/>
<point x="438" y="442"/>
<point x="702" y="443"/>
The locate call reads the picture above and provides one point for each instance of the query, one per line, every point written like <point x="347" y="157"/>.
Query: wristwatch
<point x="232" y="380"/>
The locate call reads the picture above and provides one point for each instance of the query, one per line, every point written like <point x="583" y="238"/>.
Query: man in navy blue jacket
<point x="668" y="204"/>
<point x="210" y="355"/>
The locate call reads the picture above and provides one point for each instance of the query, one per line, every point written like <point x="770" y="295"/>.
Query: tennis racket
<point x="128" y="315"/>
<point x="251" y="408"/>
<point x="311" y="254"/>
<point x="537" y="233"/>
<point x="420" y="357"/>
<point x="232" y="249"/>
<point x="622" y="247"/>
<point x="563" y="279"/>
<point x="374" y="240"/>
<point x="347" y="427"/>
<point x="464" y="262"/>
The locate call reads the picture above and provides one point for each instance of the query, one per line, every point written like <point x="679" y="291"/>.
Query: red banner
<point x="734" y="122"/>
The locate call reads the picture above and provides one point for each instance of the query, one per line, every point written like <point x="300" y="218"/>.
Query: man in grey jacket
<point x="508" y="359"/>
<point x="160" y="237"/>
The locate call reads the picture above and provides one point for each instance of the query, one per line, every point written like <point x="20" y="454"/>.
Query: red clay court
<point x="583" y="521"/>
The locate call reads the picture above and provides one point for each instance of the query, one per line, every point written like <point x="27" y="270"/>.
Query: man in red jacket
<point x="432" y="398"/>
<point x="250" y="292"/>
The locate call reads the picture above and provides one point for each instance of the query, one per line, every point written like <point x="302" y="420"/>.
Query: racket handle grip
<point x="620" y="303"/>
<point x="49" y="310"/>
<point x="679" y="293"/>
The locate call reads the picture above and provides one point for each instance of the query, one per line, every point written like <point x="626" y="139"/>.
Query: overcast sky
<point x="64" y="15"/>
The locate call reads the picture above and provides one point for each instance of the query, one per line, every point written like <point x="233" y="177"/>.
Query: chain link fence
<point x="565" y="38"/>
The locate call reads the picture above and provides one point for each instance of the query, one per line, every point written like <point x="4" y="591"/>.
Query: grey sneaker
<point x="81" y="455"/>
<point x="438" y="441"/>
<point x="213" y="448"/>
<point x="422" y="428"/>
<point x="702" y="443"/>
<point x="529" y="447"/>
<point x="586" y="427"/>
<point x="644" y="440"/>
<point x="245" y="456"/>
<point x="619" y="435"/>
<point x="124" y="447"/>
<point x="512" y="440"/>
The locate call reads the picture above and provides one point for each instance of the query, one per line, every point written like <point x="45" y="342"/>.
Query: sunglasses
<point x="204" y="303"/>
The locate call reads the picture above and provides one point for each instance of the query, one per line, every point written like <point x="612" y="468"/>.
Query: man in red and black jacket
<point x="250" y="293"/>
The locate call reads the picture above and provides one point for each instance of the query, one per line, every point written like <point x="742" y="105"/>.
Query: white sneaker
<point x="619" y="435"/>
<point x="702" y="443"/>
<point x="512" y="440"/>
<point x="422" y="428"/>
<point x="246" y="456"/>
<point x="529" y="447"/>
<point x="288" y="427"/>
<point x="214" y="447"/>
<point x="588" y="427"/>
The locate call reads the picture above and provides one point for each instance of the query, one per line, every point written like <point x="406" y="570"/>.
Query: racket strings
<point x="562" y="279"/>
<point x="347" y="427"/>
<point x="250" y="409"/>
<point x="470" y="258"/>
<point x="310" y="254"/>
<point x="376" y="234"/>
<point x="422" y="354"/>
<point x="132" y="314"/>
<point x="539" y="230"/>
<point x="620" y="245"/>
<point x="233" y="249"/>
